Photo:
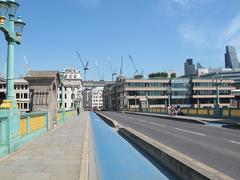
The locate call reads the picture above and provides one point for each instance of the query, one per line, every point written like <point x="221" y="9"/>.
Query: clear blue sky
<point x="159" y="34"/>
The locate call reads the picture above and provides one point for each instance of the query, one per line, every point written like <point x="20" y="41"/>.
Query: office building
<point x="156" y="93"/>
<point x="189" y="68"/>
<point x="93" y="93"/>
<point x="22" y="95"/>
<point x="73" y="88"/>
<point x="231" y="59"/>
<point x="204" y="92"/>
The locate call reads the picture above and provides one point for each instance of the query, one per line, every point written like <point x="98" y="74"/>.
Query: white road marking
<point x="235" y="142"/>
<point x="140" y="120"/>
<point x="131" y="118"/>
<point x="190" y="132"/>
<point x="157" y="124"/>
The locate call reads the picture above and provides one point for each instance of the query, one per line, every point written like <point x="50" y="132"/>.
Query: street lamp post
<point x="217" y="83"/>
<point x="135" y="102"/>
<point x="147" y="101"/>
<point x="169" y="92"/>
<point x="13" y="35"/>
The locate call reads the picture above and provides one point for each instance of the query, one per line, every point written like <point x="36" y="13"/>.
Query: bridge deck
<point x="56" y="155"/>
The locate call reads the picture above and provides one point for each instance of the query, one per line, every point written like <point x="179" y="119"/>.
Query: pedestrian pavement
<point x="190" y="118"/>
<point x="57" y="155"/>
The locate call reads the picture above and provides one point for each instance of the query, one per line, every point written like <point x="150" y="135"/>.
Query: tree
<point x="138" y="76"/>
<point x="173" y="75"/>
<point x="158" y="75"/>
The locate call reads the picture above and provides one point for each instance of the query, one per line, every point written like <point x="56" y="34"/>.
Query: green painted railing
<point x="30" y="125"/>
<point x="3" y="132"/>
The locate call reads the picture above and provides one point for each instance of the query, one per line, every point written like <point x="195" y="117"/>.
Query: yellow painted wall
<point x="23" y="127"/>
<point x="36" y="123"/>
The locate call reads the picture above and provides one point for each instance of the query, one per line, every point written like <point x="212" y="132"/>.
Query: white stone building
<point x="72" y="89"/>
<point x="22" y="95"/>
<point x="96" y="98"/>
<point x="93" y="93"/>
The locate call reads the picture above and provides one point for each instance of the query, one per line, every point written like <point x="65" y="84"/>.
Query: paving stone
<point x="54" y="156"/>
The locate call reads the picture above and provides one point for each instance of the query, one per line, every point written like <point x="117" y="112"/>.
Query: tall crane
<point x="114" y="72"/>
<point x="85" y="66"/>
<point x="134" y="66"/>
<point x="121" y="68"/>
<point x="26" y="63"/>
<point x="101" y="77"/>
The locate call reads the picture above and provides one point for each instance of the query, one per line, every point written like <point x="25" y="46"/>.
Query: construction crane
<point x="26" y="63"/>
<point x="114" y="72"/>
<point x="121" y="68"/>
<point x="136" y="74"/>
<point x="101" y="77"/>
<point x="134" y="66"/>
<point x="85" y="66"/>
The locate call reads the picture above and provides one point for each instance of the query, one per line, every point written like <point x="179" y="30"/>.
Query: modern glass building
<point x="181" y="92"/>
<point x="231" y="59"/>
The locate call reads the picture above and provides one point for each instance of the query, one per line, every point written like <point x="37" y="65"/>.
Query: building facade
<point x="204" y="92"/>
<point x="159" y="93"/>
<point x="73" y="87"/>
<point x="109" y="97"/>
<point x="231" y="59"/>
<point x="93" y="93"/>
<point x="22" y="95"/>
<point x="43" y="86"/>
<point x="181" y="92"/>
<point x="189" y="68"/>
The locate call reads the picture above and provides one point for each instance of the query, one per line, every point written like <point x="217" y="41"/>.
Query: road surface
<point x="216" y="147"/>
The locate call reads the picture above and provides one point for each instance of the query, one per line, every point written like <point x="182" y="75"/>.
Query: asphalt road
<point x="216" y="147"/>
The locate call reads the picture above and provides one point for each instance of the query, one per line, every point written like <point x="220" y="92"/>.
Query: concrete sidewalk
<point x="55" y="156"/>
<point x="201" y="120"/>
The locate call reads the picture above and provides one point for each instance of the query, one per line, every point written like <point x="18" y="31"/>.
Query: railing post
<point x="46" y="121"/>
<point x="28" y="124"/>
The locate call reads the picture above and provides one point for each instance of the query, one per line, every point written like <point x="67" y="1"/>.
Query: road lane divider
<point x="179" y="164"/>
<point x="235" y="142"/>
<point x="192" y="132"/>
<point x="157" y="124"/>
<point x="168" y="117"/>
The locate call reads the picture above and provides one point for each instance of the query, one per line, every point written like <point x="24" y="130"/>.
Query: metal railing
<point x="233" y="113"/>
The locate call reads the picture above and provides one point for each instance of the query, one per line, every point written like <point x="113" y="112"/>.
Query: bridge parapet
<point x="233" y="113"/>
<point x="28" y="126"/>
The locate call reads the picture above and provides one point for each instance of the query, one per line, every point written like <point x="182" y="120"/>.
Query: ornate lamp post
<point x="147" y="102"/>
<point x="169" y="92"/>
<point x="217" y="82"/>
<point x="13" y="35"/>
<point x="135" y="102"/>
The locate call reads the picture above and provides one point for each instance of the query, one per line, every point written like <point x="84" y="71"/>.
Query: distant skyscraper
<point x="199" y="66"/>
<point x="231" y="59"/>
<point x="189" y="68"/>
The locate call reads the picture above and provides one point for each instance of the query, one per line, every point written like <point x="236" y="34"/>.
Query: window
<point x="65" y="96"/>
<point x="73" y="96"/>
<point x="17" y="95"/>
<point x="25" y="106"/>
<point x="25" y="96"/>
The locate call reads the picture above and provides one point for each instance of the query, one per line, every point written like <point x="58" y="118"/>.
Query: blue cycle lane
<point x="116" y="159"/>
